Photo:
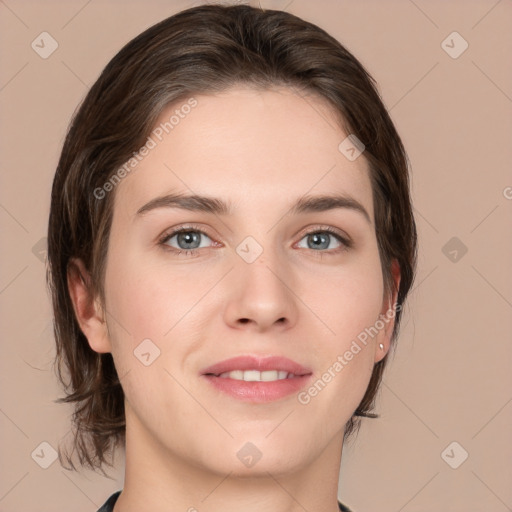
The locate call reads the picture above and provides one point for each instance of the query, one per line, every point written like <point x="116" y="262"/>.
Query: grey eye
<point x="320" y="240"/>
<point x="186" y="240"/>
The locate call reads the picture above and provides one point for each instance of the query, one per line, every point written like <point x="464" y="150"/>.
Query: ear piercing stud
<point x="381" y="346"/>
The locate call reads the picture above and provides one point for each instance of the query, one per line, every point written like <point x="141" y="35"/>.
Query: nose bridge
<point x="260" y="287"/>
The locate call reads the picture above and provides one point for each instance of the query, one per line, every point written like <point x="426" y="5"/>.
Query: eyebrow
<point x="305" y="204"/>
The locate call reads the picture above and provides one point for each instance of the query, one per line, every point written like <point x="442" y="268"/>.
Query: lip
<point x="255" y="391"/>
<point x="261" y="364"/>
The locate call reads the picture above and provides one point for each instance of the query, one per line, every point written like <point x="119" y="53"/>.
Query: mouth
<point x="258" y="379"/>
<point x="256" y="376"/>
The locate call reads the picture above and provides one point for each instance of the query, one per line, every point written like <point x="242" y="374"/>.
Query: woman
<point x="231" y="241"/>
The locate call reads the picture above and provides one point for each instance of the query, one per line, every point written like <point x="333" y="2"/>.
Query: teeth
<point x="257" y="376"/>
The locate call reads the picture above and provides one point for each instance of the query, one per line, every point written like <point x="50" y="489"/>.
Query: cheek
<point x="154" y="300"/>
<point x="347" y="300"/>
<point x="149" y="307"/>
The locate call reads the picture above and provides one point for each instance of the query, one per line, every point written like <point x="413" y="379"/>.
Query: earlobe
<point x="88" y="310"/>
<point x="387" y="316"/>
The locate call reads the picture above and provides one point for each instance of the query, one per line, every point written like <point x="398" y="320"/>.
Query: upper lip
<point x="261" y="364"/>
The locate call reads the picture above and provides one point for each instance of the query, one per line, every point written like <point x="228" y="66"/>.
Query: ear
<point x="387" y="316"/>
<point x="88" y="310"/>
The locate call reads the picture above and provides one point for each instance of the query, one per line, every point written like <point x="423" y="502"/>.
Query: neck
<point x="159" y="479"/>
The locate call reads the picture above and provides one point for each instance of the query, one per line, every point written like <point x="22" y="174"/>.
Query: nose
<point x="261" y="296"/>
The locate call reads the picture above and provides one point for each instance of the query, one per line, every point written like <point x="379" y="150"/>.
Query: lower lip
<point x="259" y="392"/>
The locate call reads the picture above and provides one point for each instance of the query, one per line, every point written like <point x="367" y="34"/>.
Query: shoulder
<point x="108" y="506"/>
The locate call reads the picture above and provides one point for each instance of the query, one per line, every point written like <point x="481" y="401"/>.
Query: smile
<point x="257" y="376"/>
<point x="257" y="379"/>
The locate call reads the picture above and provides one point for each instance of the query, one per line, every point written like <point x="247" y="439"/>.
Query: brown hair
<point x="200" y="50"/>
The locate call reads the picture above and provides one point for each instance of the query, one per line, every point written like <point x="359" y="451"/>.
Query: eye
<point x="188" y="239"/>
<point x="325" y="239"/>
<point x="185" y="239"/>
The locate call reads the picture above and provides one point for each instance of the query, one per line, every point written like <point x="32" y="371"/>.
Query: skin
<point x="260" y="150"/>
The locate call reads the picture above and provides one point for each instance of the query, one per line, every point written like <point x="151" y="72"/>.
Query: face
<point x="291" y="287"/>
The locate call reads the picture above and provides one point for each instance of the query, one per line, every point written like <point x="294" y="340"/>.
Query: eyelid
<point x="322" y="228"/>
<point x="169" y="233"/>
<point x="342" y="237"/>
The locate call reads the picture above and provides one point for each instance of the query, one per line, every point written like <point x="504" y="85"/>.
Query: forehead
<point x="246" y="146"/>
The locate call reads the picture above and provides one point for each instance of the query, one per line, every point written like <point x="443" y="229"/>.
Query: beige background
<point x="451" y="377"/>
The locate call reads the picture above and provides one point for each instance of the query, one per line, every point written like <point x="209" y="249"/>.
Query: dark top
<point x="109" y="504"/>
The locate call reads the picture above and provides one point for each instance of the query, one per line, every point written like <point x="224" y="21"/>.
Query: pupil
<point x="188" y="238"/>
<point x="320" y="240"/>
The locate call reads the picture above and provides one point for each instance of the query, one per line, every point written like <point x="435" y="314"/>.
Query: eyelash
<point x="346" y="243"/>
